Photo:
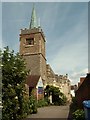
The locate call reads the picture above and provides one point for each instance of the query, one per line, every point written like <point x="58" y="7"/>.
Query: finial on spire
<point x="33" y="23"/>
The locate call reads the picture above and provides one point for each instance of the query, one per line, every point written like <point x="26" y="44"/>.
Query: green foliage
<point x="63" y="99"/>
<point x="32" y="104"/>
<point x="79" y="115"/>
<point x="42" y="103"/>
<point x="58" y="98"/>
<point x="26" y="109"/>
<point x="74" y="105"/>
<point x="13" y="82"/>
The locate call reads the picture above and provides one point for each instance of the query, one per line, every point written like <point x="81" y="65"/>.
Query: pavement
<point x="52" y="112"/>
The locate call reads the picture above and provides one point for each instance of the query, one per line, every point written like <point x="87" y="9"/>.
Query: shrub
<point x="79" y="115"/>
<point x="14" y="74"/>
<point x="42" y="103"/>
<point x="32" y="104"/>
<point x="74" y="105"/>
<point x="26" y="107"/>
<point x="58" y="98"/>
<point x="63" y="99"/>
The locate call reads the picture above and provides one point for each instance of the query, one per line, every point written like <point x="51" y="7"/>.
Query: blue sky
<point x="0" y="25"/>
<point x="65" y="25"/>
<point x="45" y="0"/>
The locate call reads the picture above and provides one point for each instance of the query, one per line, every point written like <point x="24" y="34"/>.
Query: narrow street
<point x="52" y="112"/>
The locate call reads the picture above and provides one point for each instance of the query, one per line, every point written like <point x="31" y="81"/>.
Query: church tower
<point x="32" y="47"/>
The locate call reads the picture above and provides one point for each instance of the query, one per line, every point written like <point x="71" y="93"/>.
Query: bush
<point x="58" y="98"/>
<point x="74" y="105"/>
<point x="14" y="74"/>
<point x="42" y="103"/>
<point x="32" y="104"/>
<point x="63" y="99"/>
<point x="26" y="107"/>
<point x="79" y="115"/>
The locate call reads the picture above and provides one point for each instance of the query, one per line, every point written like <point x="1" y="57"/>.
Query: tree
<point x="13" y="86"/>
<point x="58" y="98"/>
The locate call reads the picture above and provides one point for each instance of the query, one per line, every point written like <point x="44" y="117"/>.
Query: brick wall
<point x="83" y="92"/>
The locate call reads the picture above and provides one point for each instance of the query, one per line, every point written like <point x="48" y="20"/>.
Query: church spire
<point x="33" y="22"/>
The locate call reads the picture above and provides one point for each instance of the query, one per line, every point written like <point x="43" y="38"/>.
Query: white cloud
<point x="75" y="76"/>
<point x="70" y="55"/>
<point x="70" y="51"/>
<point x="82" y="72"/>
<point x="68" y="58"/>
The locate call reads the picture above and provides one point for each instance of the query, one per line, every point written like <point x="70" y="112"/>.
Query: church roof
<point x="33" y="22"/>
<point x="32" y="80"/>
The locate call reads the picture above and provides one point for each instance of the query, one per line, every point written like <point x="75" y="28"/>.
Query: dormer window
<point x="29" y="41"/>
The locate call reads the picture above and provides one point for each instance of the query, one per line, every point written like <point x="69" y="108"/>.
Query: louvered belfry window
<point x="29" y="41"/>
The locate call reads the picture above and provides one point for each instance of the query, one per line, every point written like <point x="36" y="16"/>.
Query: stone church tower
<point x="32" y="47"/>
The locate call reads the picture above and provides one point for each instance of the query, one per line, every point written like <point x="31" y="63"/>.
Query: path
<point x="52" y="112"/>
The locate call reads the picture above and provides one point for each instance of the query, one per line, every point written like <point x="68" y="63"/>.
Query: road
<point x="52" y="112"/>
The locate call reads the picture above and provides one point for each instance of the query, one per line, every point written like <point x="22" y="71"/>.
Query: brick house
<point x="35" y="86"/>
<point x="81" y="81"/>
<point x="83" y="92"/>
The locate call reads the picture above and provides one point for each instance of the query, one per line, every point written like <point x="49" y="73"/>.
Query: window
<point x="29" y="41"/>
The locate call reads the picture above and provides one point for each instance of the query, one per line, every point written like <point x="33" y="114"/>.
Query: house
<point x="35" y="86"/>
<point x="73" y="90"/>
<point x="60" y="81"/>
<point x="83" y="92"/>
<point x="81" y="81"/>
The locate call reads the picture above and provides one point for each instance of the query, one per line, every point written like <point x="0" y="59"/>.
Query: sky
<point x="65" y="25"/>
<point x="44" y="0"/>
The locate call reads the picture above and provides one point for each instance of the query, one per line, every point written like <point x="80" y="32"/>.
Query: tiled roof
<point x="32" y="80"/>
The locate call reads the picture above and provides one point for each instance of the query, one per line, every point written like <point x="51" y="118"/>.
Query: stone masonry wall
<point x="34" y="55"/>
